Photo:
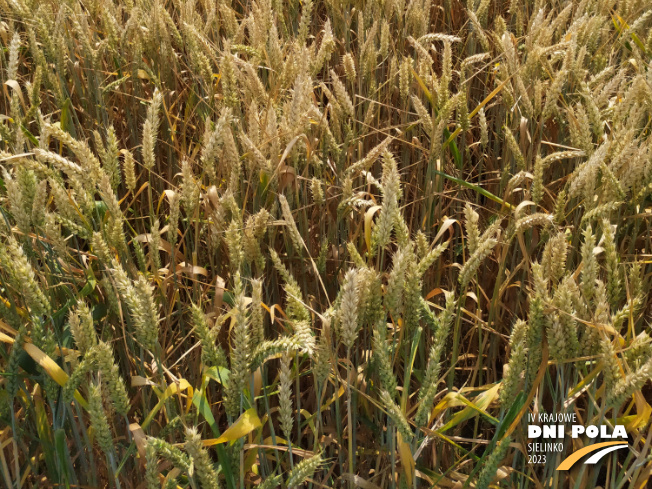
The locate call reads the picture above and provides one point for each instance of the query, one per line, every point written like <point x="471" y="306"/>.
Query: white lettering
<point x="619" y="431"/>
<point x="549" y="431"/>
<point x="577" y="430"/>
<point x="533" y="431"/>
<point x="557" y="431"/>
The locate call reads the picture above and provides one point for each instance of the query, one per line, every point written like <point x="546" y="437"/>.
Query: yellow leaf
<point x="407" y="460"/>
<point x="477" y="109"/>
<point x="172" y="389"/>
<point x="6" y="339"/>
<point x="175" y="387"/>
<point x="21" y="311"/>
<point x="423" y="86"/>
<point x="334" y="398"/>
<point x="643" y="408"/>
<point x="450" y="400"/>
<point x="52" y="369"/>
<point x="8" y="328"/>
<point x="252" y="456"/>
<point x="642" y="416"/>
<point x="586" y="380"/>
<point x="244" y="425"/>
<point x="481" y="404"/>
<point x="250" y="460"/>
<point x="368" y="218"/>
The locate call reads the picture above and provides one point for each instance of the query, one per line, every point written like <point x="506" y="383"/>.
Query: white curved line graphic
<point x="594" y="459"/>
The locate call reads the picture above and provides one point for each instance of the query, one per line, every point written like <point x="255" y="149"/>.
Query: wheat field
<point x="338" y="243"/>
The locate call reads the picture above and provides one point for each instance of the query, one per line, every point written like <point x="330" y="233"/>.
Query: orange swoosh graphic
<point x="574" y="457"/>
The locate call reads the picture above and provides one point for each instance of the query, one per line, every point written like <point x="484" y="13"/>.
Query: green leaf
<point x="201" y="403"/>
<point x="473" y="408"/>
<point x="505" y="423"/>
<point x="218" y="374"/>
<point x="61" y="448"/>
<point x="474" y="187"/>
